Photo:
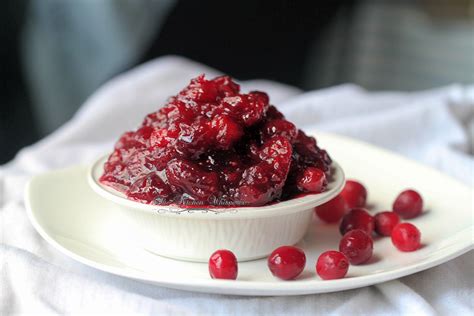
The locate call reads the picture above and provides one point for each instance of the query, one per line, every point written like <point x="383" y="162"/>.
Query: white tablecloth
<point x="435" y="127"/>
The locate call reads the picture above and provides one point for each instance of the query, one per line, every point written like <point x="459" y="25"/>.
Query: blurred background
<point x="56" y="53"/>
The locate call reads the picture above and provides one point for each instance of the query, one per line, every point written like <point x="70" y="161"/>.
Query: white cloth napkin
<point x="435" y="127"/>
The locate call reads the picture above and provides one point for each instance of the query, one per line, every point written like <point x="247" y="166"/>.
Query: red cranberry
<point x="162" y="137"/>
<point x="385" y="222"/>
<point x="357" y="218"/>
<point x="406" y="237"/>
<point x="144" y="133"/>
<point x="149" y="189"/>
<point x="228" y="131"/>
<point x="357" y="245"/>
<point x="223" y="265"/>
<point x="311" y="180"/>
<point x="305" y="144"/>
<point x="264" y="181"/>
<point x="191" y="179"/>
<point x="332" y="265"/>
<point x="247" y="109"/>
<point x="201" y="90"/>
<point x="408" y="204"/>
<point x="273" y="113"/>
<point x="226" y="86"/>
<point x="287" y="262"/>
<point x="332" y="211"/>
<point x="280" y="127"/>
<point x="128" y="140"/>
<point x="252" y="195"/>
<point x="177" y="110"/>
<point x="255" y="107"/>
<point x="354" y="193"/>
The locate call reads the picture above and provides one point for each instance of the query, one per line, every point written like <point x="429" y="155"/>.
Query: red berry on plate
<point x="357" y="245"/>
<point x="332" y="211"/>
<point x="354" y="193"/>
<point x="408" y="204"/>
<point x="287" y="262"/>
<point x="385" y="222"/>
<point x="223" y="265"/>
<point x="332" y="265"/>
<point x="357" y="218"/>
<point x="406" y="237"/>
<point x="311" y="180"/>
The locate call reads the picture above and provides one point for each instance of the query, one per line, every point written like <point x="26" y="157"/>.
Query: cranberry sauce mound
<point x="211" y="145"/>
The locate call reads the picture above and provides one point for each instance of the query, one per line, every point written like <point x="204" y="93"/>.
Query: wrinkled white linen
<point x="435" y="127"/>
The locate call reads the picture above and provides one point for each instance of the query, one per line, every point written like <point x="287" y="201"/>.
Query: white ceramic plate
<point x="79" y="223"/>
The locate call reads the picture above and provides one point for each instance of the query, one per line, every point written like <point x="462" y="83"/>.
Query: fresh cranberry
<point x="354" y="193"/>
<point x="332" y="265"/>
<point x="332" y="211"/>
<point x="287" y="262"/>
<point x="357" y="245"/>
<point x="357" y="218"/>
<point x="406" y="237"/>
<point x="311" y="180"/>
<point x="408" y="204"/>
<point x="223" y="265"/>
<point x="385" y="222"/>
<point x="216" y="146"/>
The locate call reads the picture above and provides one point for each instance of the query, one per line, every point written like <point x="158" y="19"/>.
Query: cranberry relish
<point x="213" y="146"/>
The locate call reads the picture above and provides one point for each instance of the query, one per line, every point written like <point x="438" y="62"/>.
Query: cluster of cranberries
<point x="356" y="245"/>
<point x="357" y="225"/>
<point x="212" y="145"/>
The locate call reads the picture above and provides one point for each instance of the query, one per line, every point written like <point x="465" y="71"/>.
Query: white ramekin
<point x="193" y="235"/>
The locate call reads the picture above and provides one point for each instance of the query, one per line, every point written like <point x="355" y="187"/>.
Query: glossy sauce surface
<point x="211" y="145"/>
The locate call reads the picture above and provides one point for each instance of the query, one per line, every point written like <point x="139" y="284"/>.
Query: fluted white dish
<point x="195" y="233"/>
